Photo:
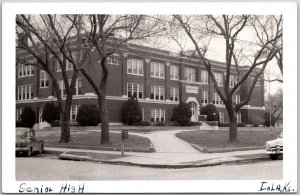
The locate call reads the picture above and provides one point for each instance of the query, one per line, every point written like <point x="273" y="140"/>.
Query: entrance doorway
<point x="194" y="108"/>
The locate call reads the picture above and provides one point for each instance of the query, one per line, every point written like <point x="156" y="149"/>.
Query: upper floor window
<point x="25" y="92"/>
<point x="78" y="87"/>
<point x="190" y="74"/>
<point x="44" y="80"/>
<point x="113" y="59"/>
<point x="157" y="70"/>
<point x="135" y="90"/>
<point x="237" y="99"/>
<point x="217" y="99"/>
<point x="204" y="76"/>
<point x="157" y="92"/>
<point x="135" y="66"/>
<point x="157" y="114"/>
<point x="25" y="70"/>
<point x="174" y="94"/>
<point x="205" y="97"/>
<point x="232" y="81"/>
<point x="174" y="72"/>
<point x="219" y="78"/>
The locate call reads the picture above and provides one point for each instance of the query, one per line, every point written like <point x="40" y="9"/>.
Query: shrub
<point x="267" y="119"/>
<point x="211" y="111"/>
<point x="50" y="112"/>
<point x="144" y="123"/>
<point x="131" y="112"/>
<point x="55" y="123"/>
<point x="160" y="123"/>
<point x="28" y="117"/>
<point x="88" y="115"/>
<point x="182" y="114"/>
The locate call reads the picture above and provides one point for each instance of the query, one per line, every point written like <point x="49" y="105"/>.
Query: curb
<point x="205" y="163"/>
<point x="207" y="150"/>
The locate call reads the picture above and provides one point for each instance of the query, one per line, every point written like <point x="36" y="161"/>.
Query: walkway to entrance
<point x="167" y="142"/>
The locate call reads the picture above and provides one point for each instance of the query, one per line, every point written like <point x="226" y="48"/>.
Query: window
<point x="157" y="114"/>
<point x="25" y="92"/>
<point x="113" y="59"/>
<point x="239" y="117"/>
<point x="19" y="113"/>
<point x="237" y="99"/>
<point x="205" y="97"/>
<point x="135" y="90"/>
<point x="190" y="74"/>
<point x="232" y="81"/>
<point x="174" y="94"/>
<point x="135" y="66"/>
<point x="69" y="65"/>
<point x="204" y="76"/>
<point x="217" y="99"/>
<point x="44" y="81"/>
<point x="157" y="92"/>
<point x="219" y="78"/>
<point x="157" y="70"/>
<point x="78" y="87"/>
<point x="25" y="70"/>
<point x="73" y="113"/>
<point x="221" y="115"/>
<point x="62" y="88"/>
<point x="174" y="72"/>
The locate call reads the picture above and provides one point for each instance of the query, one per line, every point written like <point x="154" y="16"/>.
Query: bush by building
<point x="28" y="117"/>
<point x="182" y="114"/>
<point x="19" y="124"/>
<point x="88" y="115"/>
<point x="131" y="112"/>
<point x="50" y="112"/>
<point x="211" y="112"/>
<point x="227" y="124"/>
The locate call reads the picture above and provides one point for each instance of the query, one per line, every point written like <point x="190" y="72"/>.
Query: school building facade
<point x="159" y="79"/>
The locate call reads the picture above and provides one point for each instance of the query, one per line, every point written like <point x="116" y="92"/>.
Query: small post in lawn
<point x="124" y="136"/>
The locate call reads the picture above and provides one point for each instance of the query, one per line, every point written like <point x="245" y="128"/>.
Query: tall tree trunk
<point x="104" y="120"/>
<point x="233" y="134"/>
<point x="65" y="136"/>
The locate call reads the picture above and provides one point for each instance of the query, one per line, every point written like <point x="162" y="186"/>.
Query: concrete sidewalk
<point x="170" y="152"/>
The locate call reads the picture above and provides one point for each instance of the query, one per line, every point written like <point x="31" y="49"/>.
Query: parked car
<point x="26" y="142"/>
<point x="275" y="147"/>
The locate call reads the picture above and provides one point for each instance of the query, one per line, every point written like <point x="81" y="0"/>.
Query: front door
<point x="194" y="111"/>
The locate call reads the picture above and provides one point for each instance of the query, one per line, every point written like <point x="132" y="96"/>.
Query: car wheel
<point x="29" y="152"/>
<point x="273" y="156"/>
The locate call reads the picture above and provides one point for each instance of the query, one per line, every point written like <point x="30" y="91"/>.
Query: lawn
<point x="212" y="140"/>
<point x="90" y="140"/>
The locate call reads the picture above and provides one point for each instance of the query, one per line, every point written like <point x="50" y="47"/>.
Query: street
<point x="49" y="167"/>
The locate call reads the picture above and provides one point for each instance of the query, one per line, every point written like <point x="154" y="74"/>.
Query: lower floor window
<point x="221" y="114"/>
<point x="19" y="113"/>
<point x="239" y="117"/>
<point x="157" y="114"/>
<point x="73" y="113"/>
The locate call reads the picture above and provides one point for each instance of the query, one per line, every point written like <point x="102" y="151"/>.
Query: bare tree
<point x="274" y="105"/>
<point x="106" y="34"/>
<point x="229" y="27"/>
<point x="49" y="37"/>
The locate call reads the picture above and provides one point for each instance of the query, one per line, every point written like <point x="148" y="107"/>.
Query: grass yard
<point x="219" y="139"/>
<point x="91" y="140"/>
